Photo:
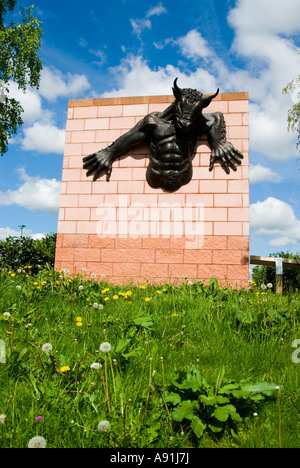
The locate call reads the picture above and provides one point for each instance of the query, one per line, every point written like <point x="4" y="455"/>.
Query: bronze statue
<point x="172" y="136"/>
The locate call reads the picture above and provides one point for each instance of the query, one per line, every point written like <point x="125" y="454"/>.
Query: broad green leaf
<point x="173" y="398"/>
<point x="134" y="353"/>
<point x="143" y="321"/>
<point x="233" y="413"/>
<point x="221" y="413"/>
<point x="122" y="345"/>
<point x="216" y="426"/>
<point x="198" y="426"/>
<point x="221" y="399"/>
<point x="208" y="400"/>
<point x="185" y="410"/>
<point x="262" y="387"/>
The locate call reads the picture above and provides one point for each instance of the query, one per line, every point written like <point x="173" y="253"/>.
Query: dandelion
<point x="47" y="348"/>
<point x="18" y="287"/>
<point x="115" y="297"/>
<point x="6" y="314"/>
<point x="147" y="299"/>
<point x="65" y="369"/>
<point x="2" y="418"/>
<point x="80" y="288"/>
<point x="105" y="347"/>
<point x="93" y="276"/>
<point x="269" y="285"/>
<point x="83" y="269"/>
<point x="79" y="324"/>
<point x="37" y="442"/>
<point x="100" y="306"/>
<point x="103" y="426"/>
<point x="78" y="319"/>
<point x="95" y="365"/>
<point x="95" y="305"/>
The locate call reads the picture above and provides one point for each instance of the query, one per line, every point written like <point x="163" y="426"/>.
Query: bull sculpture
<point x="172" y="136"/>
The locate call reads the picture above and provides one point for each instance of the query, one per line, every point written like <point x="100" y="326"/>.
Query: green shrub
<point x="16" y="252"/>
<point x="291" y="276"/>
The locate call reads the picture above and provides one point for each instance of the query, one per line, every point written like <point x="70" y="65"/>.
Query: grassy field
<point x="86" y="364"/>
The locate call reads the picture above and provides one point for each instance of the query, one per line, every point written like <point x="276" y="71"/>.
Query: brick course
<point x="217" y="245"/>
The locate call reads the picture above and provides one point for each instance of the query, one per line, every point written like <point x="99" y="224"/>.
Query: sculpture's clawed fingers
<point x="98" y="162"/>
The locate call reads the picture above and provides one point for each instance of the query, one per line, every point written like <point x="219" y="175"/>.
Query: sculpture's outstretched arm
<point x="221" y="149"/>
<point x="102" y="160"/>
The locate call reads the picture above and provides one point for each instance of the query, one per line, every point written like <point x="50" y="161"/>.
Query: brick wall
<point x="220" y="223"/>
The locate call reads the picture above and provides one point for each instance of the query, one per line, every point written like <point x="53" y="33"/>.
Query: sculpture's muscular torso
<point x="172" y="136"/>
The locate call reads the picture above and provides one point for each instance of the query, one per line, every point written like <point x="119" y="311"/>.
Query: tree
<point x="294" y="112"/>
<point x="19" y="62"/>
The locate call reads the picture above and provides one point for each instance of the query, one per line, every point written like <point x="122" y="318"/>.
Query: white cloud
<point x="30" y="102"/>
<point x="156" y="11"/>
<point x="55" y="84"/>
<point x="193" y="45"/>
<point x="275" y="218"/>
<point x="138" y="25"/>
<point x="7" y="232"/>
<point x="135" y="77"/>
<point x="272" y="16"/>
<point x="44" y="138"/>
<point x="259" y="173"/>
<point x="35" y="194"/>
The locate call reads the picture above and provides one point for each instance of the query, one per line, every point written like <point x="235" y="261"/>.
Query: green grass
<point x="201" y="337"/>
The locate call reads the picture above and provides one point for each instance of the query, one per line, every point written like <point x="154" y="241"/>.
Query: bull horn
<point x="176" y="90"/>
<point x="207" y="99"/>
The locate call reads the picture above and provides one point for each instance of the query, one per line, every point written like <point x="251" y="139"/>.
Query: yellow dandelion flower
<point x="79" y="324"/>
<point x="78" y="319"/>
<point x="128" y="293"/>
<point x="106" y="298"/>
<point x="65" y="369"/>
<point x="12" y="275"/>
<point x="115" y="297"/>
<point x="147" y="299"/>
<point x="142" y="287"/>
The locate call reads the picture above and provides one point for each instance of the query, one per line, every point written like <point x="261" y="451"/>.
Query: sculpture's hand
<point x="228" y="156"/>
<point x="98" y="162"/>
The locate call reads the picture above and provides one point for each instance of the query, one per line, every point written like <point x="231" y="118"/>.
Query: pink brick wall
<point x="198" y="232"/>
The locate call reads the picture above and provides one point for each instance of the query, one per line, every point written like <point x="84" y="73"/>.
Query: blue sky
<point x="128" y="48"/>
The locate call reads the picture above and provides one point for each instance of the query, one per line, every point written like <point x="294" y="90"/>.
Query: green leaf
<point x="185" y="410"/>
<point x="262" y="387"/>
<point x="122" y="345"/>
<point x="216" y="426"/>
<point x="143" y="321"/>
<point x="137" y="352"/>
<point x="198" y="426"/>
<point x="173" y="398"/>
<point x="208" y="400"/>
<point x="221" y="413"/>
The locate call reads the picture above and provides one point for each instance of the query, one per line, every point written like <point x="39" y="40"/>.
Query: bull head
<point x="204" y="101"/>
